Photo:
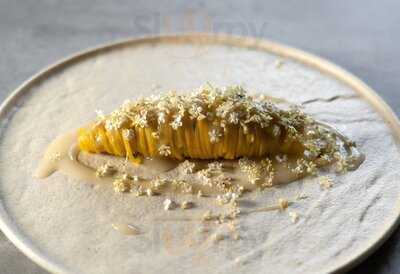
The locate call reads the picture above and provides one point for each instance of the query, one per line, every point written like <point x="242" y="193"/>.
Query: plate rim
<point x="10" y="228"/>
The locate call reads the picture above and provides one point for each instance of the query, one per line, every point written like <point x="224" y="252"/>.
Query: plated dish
<point x="252" y="163"/>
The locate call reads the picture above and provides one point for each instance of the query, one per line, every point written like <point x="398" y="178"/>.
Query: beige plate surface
<point x="10" y="228"/>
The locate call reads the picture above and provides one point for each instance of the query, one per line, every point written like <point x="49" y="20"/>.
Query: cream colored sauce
<point x="63" y="155"/>
<point x="166" y="169"/>
<point x="126" y="229"/>
<point x="55" y="154"/>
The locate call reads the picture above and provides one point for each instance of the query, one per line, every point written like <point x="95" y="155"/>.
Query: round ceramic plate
<point x="65" y="225"/>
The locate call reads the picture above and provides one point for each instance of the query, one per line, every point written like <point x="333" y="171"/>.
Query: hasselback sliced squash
<point x="209" y="123"/>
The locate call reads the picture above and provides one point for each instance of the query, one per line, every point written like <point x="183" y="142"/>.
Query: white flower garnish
<point x="105" y="170"/>
<point x="161" y="117"/>
<point x="233" y="118"/>
<point x="276" y="130"/>
<point x="294" y="216"/>
<point x="214" y="136"/>
<point x="128" y="134"/>
<point x="283" y="203"/>
<point x="121" y="185"/>
<point x="281" y="158"/>
<point x="177" y="122"/>
<point x="141" y="119"/>
<point x="187" y="167"/>
<point x="149" y="192"/>
<point x="169" y="204"/>
<point x="215" y="167"/>
<point x="164" y="150"/>
<point x="325" y="182"/>
<point x="100" y="114"/>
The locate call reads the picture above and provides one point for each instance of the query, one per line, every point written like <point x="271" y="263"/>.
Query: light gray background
<point x="361" y="36"/>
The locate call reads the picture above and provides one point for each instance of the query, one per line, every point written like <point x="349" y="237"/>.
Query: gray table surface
<point x="359" y="35"/>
